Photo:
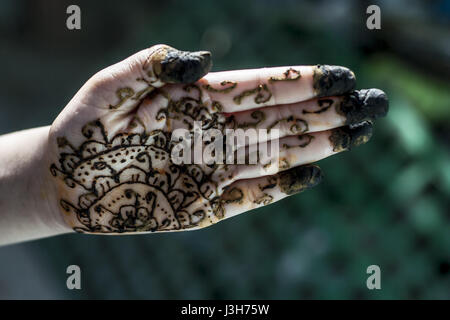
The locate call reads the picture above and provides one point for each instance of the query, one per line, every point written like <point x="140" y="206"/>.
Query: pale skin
<point x="104" y="166"/>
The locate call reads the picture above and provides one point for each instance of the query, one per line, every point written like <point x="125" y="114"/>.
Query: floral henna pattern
<point x="129" y="183"/>
<point x="262" y="94"/>
<point x="227" y="86"/>
<point x="289" y="75"/>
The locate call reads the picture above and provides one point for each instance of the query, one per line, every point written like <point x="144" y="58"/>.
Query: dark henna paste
<point x="345" y="138"/>
<point x="182" y="66"/>
<point x="363" y="105"/>
<point x="298" y="179"/>
<point x="333" y="80"/>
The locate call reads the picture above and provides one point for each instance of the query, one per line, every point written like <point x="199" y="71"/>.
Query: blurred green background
<point x="385" y="203"/>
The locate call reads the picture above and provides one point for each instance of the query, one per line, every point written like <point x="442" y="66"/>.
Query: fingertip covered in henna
<point x="333" y="80"/>
<point x="175" y="66"/>
<point x="363" y="105"/>
<point x="300" y="178"/>
<point x="345" y="138"/>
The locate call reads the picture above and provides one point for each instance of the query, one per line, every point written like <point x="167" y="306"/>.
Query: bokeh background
<point x="385" y="203"/>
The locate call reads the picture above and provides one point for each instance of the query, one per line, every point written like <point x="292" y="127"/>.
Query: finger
<point x="240" y="90"/>
<point x="245" y="195"/>
<point x="170" y="65"/>
<point x="314" y="115"/>
<point x="126" y="83"/>
<point x="161" y="64"/>
<point x="303" y="149"/>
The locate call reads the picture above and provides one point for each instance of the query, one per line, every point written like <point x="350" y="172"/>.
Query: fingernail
<point x="298" y="179"/>
<point x="345" y="138"/>
<point x="364" y="105"/>
<point x="333" y="80"/>
<point x="184" y="66"/>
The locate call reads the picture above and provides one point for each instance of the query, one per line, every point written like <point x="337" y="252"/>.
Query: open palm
<point x="113" y="147"/>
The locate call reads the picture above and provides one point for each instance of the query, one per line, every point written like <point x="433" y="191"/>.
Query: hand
<point x="114" y="146"/>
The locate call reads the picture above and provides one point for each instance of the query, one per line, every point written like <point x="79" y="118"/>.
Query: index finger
<point x="240" y="90"/>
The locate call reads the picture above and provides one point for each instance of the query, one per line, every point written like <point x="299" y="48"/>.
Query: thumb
<point x="170" y="65"/>
<point x="160" y="64"/>
<point x="123" y="85"/>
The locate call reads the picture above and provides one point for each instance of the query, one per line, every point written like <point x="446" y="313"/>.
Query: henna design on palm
<point x="112" y="156"/>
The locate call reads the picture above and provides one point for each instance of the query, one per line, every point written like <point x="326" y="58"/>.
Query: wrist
<point x="44" y="190"/>
<point x="28" y="209"/>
